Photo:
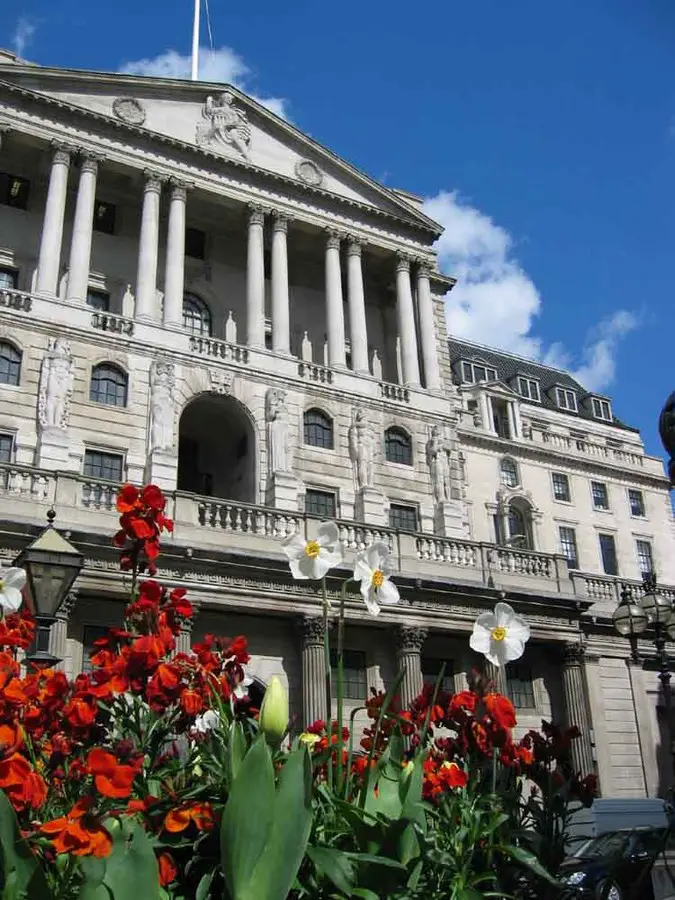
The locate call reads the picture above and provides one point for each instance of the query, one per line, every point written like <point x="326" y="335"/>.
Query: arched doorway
<point x="216" y="449"/>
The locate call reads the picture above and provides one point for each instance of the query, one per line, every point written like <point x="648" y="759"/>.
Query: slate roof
<point x="509" y="366"/>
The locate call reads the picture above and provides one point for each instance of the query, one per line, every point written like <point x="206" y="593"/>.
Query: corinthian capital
<point x="403" y="262"/>
<point x="354" y="245"/>
<point x="256" y="214"/>
<point x="410" y="638"/>
<point x="153" y="181"/>
<point x="312" y="630"/>
<point x="333" y="238"/>
<point x="62" y="153"/>
<point x="280" y="221"/>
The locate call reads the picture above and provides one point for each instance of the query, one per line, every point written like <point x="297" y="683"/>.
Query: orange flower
<point x="180" y="818"/>
<point x="191" y="702"/>
<point x="80" y="832"/>
<point x="501" y="710"/>
<point x="80" y="713"/>
<point x="127" y="499"/>
<point x="167" y="868"/>
<point x="111" y="778"/>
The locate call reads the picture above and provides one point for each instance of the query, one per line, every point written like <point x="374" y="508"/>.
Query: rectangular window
<point x="600" y="495"/>
<point x="320" y="503"/>
<point x="403" y="518"/>
<point x="90" y="633"/>
<point x="106" y="466"/>
<point x="500" y="418"/>
<point x="474" y="373"/>
<point x="104" y="217"/>
<point x="637" y="503"/>
<point x="566" y="399"/>
<point x="99" y="300"/>
<point x="9" y="278"/>
<point x="645" y="557"/>
<point x="561" y="487"/>
<point x="610" y="565"/>
<point x="14" y="190"/>
<point x="195" y="243"/>
<point x="6" y="448"/>
<point x="431" y="669"/>
<point x="529" y="388"/>
<point x="568" y="546"/>
<point x="467" y="372"/>
<point x="520" y="686"/>
<point x="601" y="409"/>
<point x="354" y="675"/>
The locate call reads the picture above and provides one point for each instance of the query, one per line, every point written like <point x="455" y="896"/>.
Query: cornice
<point x="234" y="163"/>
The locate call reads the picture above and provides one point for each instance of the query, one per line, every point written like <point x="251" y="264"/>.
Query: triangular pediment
<point x="220" y="120"/>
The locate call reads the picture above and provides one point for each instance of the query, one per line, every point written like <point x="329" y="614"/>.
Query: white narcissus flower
<point x="12" y="582"/>
<point x="207" y="721"/>
<point x="241" y="690"/>
<point x="500" y="635"/>
<point x="372" y="568"/>
<point x="312" y="559"/>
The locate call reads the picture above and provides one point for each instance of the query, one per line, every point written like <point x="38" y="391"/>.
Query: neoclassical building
<point x="193" y="292"/>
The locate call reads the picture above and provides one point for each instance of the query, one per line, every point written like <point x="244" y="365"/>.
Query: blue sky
<point x="542" y="134"/>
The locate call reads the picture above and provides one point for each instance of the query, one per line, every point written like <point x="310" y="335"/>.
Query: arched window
<point x="10" y="363"/>
<point x="398" y="446"/>
<point x="318" y="429"/>
<point x="108" y="385"/>
<point x="509" y="473"/>
<point x="196" y="315"/>
<point x="520" y="532"/>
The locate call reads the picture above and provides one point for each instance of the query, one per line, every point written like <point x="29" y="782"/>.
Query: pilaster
<point x="576" y="707"/>
<point x="312" y="632"/>
<point x="409" y="642"/>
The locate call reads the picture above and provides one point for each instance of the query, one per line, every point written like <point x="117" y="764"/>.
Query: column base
<point x="162" y="469"/>
<point x="53" y="449"/>
<point x="282" y="491"/>
<point x="369" y="507"/>
<point x="449" y="519"/>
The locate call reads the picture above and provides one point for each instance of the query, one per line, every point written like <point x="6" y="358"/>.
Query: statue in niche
<point x="56" y="385"/>
<point x="362" y="449"/>
<point x="162" y="385"/>
<point x="226" y="124"/>
<point x="438" y="460"/>
<point x="278" y="432"/>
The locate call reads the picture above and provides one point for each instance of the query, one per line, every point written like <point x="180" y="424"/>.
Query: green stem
<point x="340" y="682"/>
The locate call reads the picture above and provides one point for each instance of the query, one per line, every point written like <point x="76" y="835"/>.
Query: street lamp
<point x="52" y="564"/>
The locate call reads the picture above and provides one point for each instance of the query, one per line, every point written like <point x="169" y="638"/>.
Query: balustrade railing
<point x="463" y="554"/>
<point x="525" y="562"/>
<point x="208" y="346"/>
<point x="590" y="448"/>
<point x="10" y="298"/>
<point x="106" y="321"/>
<point x="394" y="392"/>
<point x="101" y="495"/>
<point x="27" y="483"/>
<point x="314" y="372"/>
<point x="239" y="518"/>
<point x="355" y="536"/>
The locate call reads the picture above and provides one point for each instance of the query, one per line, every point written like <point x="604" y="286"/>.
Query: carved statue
<point x="56" y="385"/>
<point x="162" y="383"/>
<point x="226" y="124"/>
<point x="438" y="460"/>
<point x="667" y="433"/>
<point x="362" y="449"/>
<point x="278" y="436"/>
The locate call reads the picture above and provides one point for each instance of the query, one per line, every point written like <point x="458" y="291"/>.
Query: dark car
<point x="615" y="866"/>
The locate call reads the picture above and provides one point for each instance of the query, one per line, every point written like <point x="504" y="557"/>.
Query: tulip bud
<point x="274" y="712"/>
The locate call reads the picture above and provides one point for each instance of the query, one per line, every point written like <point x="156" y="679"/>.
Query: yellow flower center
<point x="378" y="579"/>
<point x="498" y="633"/>
<point x="310" y="739"/>
<point x="312" y="549"/>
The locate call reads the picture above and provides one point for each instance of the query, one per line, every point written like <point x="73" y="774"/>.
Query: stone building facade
<point x="195" y="293"/>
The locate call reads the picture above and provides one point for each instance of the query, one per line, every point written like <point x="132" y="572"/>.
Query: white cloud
<point x="23" y="35"/>
<point x="495" y="302"/>
<point x="217" y="66"/>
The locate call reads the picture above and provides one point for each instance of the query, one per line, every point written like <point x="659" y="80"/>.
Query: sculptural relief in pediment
<point x="225" y="125"/>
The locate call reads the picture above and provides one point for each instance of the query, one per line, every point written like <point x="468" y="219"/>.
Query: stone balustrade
<point x="599" y="451"/>
<point x="10" y="298"/>
<point x="389" y="391"/>
<point x="27" y="483"/>
<point x="106" y="321"/>
<point x="208" y="346"/>
<point x="314" y="372"/>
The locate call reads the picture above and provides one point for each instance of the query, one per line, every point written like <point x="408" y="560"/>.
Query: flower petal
<point x="372" y="605"/>
<point x="362" y="569"/>
<point x="480" y="640"/>
<point x="519" y="629"/>
<point x="503" y="614"/>
<point x="328" y="535"/>
<point x="513" y="648"/>
<point x="294" y="546"/>
<point x="388" y="594"/>
<point x="299" y="569"/>
<point x="10" y="599"/>
<point x="486" y="620"/>
<point x="377" y="555"/>
<point x="14" y="577"/>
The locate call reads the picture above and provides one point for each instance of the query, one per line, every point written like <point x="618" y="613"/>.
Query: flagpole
<point x="195" y="42"/>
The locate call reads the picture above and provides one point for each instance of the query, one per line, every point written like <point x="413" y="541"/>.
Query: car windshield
<point x="604" y="845"/>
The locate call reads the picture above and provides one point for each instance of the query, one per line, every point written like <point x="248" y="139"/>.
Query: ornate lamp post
<point x="52" y="564"/>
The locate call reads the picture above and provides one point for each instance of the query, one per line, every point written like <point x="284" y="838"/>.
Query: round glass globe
<point x="629" y="618"/>
<point x="657" y="607"/>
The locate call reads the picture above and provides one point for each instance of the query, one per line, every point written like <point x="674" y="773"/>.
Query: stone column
<point x="281" y="330"/>
<point x="174" y="273"/>
<point x="58" y="635"/>
<point x="405" y="319"/>
<point x="335" y="319"/>
<point x="576" y="707"/>
<point x="49" y="257"/>
<point x="313" y="670"/>
<point x="425" y="306"/>
<point x="146" y="279"/>
<point x="409" y="642"/>
<point x="255" y="279"/>
<point x="358" y="332"/>
<point x="83" y="228"/>
<point x="184" y="639"/>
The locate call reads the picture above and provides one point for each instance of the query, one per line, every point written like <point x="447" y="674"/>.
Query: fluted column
<point x="409" y="642"/>
<point x="576" y="707"/>
<point x="146" y="279"/>
<point x="313" y="669"/>
<point x="174" y="273"/>
<point x="425" y="307"/>
<point x="83" y="227"/>
<point x="255" y="279"/>
<point x="281" y="329"/>
<point x="497" y="675"/>
<point x="58" y="635"/>
<point x="335" y="319"/>
<point x="405" y="319"/>
<point x="49" y="257"/>
<point x="358" y="333"/>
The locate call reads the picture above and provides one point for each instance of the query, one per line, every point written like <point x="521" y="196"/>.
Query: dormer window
<point x="566" y="399"/>
<point x="475" y="373"/>
<point x="528" y="388"/>
<point x="601" y="409"/>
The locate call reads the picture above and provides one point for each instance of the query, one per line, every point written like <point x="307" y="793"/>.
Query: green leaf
<point x="204" y="886"/>
<point x="131" y="868"/>
<point x="364" y="893"/>
<point x="22" y="873"/>
<point x="236" y="749"/>
<point x="335" y="866"/>
<point x="247" y="819"/>
<point x="527" y="859"/>
<point x="94" y="892"/>
<point x="377" y="860"/>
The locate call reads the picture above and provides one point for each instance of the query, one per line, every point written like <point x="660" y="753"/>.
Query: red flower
<point x="79" y="832"/>
<point x="167" y="868"/>
<point x="127" y="498"/>
<point x="465" y="701"/>
<point x="110" y="778"/>
<point x="501" y="710"/>
<point x="177" y="820"/>
<point x="80" y="713"/>
<point x="191" y="702"/>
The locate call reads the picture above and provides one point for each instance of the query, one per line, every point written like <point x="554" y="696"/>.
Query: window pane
<point x="6" y="443"/>
<point x="8" y="278"/>
<point x="90" y="633"/>
<point x="637" y="503"/>
<point x="561" y="487"/>
<point x="608" y="553"/>
<point x="10" y="364"/>
<point x="431" y="669"/>
<point x="108" y="385"/>
<point x="196" y="315"/>
<point x="509" y="473"/>
<point x="99" y="300"/>
<point x="318" y="429"/>
<point x="320" y="503"/>
<point x="354" y="676"/>
<point x="104" y="217"/>
<point x="568" y="546"/>
<point x="106" y="466"/>
<point x="195" y="243"/>
<point x="14" y="191"/>
<point x="479" y="373"/>
<point x="600" y="495"/>
<point x="645" y="558"/>
<point x="467" y="372"/>
<point x="519" y="686"/>
<point x="398" y="447"/>
<point x="517" y="527"/>
<point x="403" y="518"/>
